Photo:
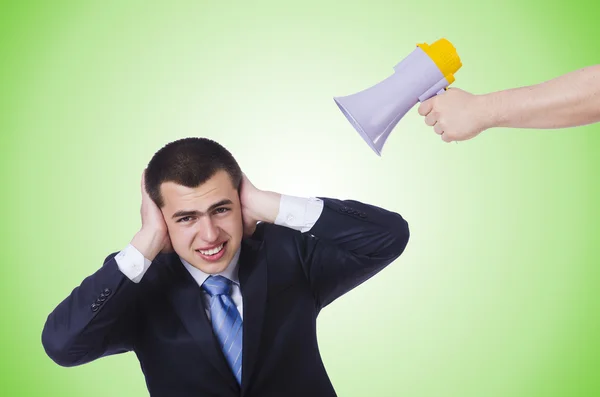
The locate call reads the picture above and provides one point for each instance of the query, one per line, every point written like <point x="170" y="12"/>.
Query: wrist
<point x="266" y="206"/>
<point x="149" y="242"/>
<point x="488" y="109"/>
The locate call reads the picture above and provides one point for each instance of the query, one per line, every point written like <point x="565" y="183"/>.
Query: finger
<point x="425" y="107"/>
<point x="431" y="119"/>
<point x="438" y="128"/>
<point x="446" y="137"/>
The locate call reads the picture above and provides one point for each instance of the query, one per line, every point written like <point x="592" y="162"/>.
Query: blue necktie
<point x="226" y="321"/>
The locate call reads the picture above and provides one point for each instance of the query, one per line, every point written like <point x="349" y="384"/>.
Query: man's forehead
<point x="205" y="195"/>
<point x="175" y="189"/>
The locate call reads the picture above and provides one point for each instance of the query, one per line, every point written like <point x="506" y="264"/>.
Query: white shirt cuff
<point x="132" y="263"/>
<point x="299" y="213"/>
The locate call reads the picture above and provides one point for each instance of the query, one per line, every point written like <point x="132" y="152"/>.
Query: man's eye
<point x="184" y="219"/>
<point x="221" y="210"/>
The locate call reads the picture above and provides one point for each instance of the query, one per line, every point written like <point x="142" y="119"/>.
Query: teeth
<point x="212" y="251"/>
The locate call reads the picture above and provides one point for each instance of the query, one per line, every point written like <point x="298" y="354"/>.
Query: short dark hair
<point x="189" y="162"/>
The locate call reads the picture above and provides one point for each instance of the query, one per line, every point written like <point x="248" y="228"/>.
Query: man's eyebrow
<point x="183" y="213"/>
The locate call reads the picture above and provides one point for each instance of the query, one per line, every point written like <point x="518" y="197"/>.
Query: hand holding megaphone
<point x="455" y="115"/>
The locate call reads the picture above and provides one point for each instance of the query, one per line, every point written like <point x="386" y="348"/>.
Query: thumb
<point x="425" y="107"/>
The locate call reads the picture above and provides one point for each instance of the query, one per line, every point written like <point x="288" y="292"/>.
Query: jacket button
<point x="107" y="291"/>
<point x="95" y="307"/>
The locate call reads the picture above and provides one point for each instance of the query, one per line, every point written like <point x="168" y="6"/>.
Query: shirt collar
<point x="230" y="272"/>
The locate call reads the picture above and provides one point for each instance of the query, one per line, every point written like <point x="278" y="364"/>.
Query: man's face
<point x="205" y="223"/>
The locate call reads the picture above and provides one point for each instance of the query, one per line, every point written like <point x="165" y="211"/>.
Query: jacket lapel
<point x="186" y="297"/>
<point x="253" y="284"/>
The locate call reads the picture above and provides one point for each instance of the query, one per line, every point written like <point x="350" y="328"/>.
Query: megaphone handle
<point x="436" y="89"/>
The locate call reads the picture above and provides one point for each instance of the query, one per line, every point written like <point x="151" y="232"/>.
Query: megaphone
<point x="427" y="71"/>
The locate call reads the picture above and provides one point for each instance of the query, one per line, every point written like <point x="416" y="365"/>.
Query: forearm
<point x="569" y="100"/>
<point x="362" y="229"/>
<point x="95" y="319"/>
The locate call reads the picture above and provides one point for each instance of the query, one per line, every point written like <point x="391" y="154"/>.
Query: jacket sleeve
<point x="349" y="243"/>
<point x="97" y="319"/>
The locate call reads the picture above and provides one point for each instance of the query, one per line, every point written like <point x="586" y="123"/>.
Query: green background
<point x="497" y="292"/>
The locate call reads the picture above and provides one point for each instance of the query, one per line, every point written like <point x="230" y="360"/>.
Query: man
<point x="208" y="312"/>
<point x="570" y="100"/>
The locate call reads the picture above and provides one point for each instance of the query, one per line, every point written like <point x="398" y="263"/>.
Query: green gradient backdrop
<point x="496" y="294"/>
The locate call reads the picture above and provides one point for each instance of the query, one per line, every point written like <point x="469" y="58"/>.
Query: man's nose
<point x="208" y="231"/>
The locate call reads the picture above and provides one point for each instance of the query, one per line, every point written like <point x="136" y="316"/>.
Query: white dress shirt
<point x="294" y="212"/>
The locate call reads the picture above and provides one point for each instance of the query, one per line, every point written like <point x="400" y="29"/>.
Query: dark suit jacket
<point x="286" y="278"/>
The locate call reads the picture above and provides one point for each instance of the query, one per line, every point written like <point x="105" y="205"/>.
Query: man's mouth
<point x="212" y="254"/>
<point x="212" y="251"/>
